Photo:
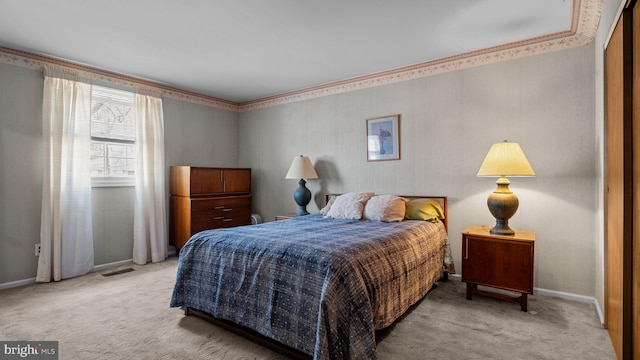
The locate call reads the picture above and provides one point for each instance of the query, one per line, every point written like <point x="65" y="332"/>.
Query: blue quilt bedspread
<point x="321" y="286"/>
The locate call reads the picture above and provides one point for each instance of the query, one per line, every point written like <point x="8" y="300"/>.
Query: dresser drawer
<point x="220" y="205"/>
<point x="236" y="218"/>
<point x="212" y="213"/>
<point x="204" y="220"/>
<point x="207" y="198"/>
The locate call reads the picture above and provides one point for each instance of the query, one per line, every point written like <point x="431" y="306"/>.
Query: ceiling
<point x="252" y="49"/>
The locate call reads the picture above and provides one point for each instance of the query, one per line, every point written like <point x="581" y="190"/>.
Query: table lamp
<point x="504" y="159"/>
<point x="301" y="168"/>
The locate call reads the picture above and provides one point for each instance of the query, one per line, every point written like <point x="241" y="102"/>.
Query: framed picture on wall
<point x="383" y="138"/>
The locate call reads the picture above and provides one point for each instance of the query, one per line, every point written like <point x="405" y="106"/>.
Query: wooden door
<point x="619" y="195"/>
<point x="614" y="183"/>
<point x="634" y="267"/>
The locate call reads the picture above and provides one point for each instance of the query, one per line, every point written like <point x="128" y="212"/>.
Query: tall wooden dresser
<point x="207" y="198"/>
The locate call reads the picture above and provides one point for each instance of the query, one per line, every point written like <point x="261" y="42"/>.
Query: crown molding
<point x="584" y="24"/>
<point x="39" y="62"/>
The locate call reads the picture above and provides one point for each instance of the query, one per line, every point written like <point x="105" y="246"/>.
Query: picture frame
<point x="383" y="138"/>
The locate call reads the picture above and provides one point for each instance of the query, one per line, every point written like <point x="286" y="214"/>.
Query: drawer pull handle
<point x="218" y="218"/>
<point x="227" y="220"/>
<point x="219" y="207"/>
<point x="227" y="209"/>
<point x="466" y="250"/>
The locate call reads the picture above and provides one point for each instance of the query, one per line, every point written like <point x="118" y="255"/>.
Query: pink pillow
<point x="387" y="208"/>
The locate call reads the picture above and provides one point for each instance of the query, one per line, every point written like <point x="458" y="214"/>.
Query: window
<point x="113" y="158"/>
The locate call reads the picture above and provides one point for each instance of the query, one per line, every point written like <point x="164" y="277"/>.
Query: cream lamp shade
<point x="301" y="168"/>
<point x="504" y="159"/>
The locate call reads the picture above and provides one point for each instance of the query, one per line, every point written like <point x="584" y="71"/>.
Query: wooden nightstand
<point x="285" y="217"/>
<point x="498" y="261"/>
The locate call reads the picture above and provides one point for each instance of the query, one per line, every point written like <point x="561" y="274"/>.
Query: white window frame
<point x="112" y="181"/>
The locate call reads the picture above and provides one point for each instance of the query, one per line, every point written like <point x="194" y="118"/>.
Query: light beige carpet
<point x="127" y="316"/>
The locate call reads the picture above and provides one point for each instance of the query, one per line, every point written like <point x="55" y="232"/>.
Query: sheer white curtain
<point x="66" y="229"/>
<point x="149" y="238"/>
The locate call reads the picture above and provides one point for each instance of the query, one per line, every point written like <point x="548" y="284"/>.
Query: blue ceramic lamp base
<point x="302" y="196"/>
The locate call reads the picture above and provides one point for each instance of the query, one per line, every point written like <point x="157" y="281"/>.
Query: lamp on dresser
<point x="301" y="168"/>
<point x="504" y="159"/>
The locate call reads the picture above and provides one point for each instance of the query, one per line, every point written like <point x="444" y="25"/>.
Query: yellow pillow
<point x="423" y="209"/>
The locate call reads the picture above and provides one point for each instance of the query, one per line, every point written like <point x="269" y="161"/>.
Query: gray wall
<point x="194" y="135"/>
<point x="21" y="170"/>
<point x="448" y="123"/>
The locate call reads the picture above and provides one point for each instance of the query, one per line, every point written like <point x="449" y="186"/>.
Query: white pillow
<point x="326" y="208"/>
<point x="387" y="208"/>
<point x="349" y="206"/>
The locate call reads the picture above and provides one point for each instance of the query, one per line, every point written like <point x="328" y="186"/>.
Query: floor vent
<point x="118" y="272"/>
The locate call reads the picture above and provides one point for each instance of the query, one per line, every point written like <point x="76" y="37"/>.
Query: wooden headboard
<point x="442" y="200"/>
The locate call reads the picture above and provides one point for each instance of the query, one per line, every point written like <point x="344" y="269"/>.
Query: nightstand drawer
<point x="498" y="261"/>
<point x="507" y="264"/>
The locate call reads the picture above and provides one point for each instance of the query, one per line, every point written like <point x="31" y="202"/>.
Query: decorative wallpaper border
<point x="38" y="62"/>
<point x="584" y="24"/>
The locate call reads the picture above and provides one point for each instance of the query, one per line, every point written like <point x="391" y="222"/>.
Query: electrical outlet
<point x="37" y="249"/>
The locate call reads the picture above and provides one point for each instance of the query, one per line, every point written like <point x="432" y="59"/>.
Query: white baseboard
<point x="563" y="295"/>
<point x="171" y="251"/>
<point x="111" y="265"/>
<point x="600" y="314"/>
<point x="95" y="268"/>
<point x="17" y="283"/>
<point x="574" y="297"/>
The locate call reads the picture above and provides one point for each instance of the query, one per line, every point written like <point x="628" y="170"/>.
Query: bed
<point x="317" y="286"/>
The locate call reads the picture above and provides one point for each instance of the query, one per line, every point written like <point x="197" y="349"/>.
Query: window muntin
<point x="112" y="137"/>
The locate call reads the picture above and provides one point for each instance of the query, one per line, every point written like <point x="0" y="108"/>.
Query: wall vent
<point x="118" y="272"/>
